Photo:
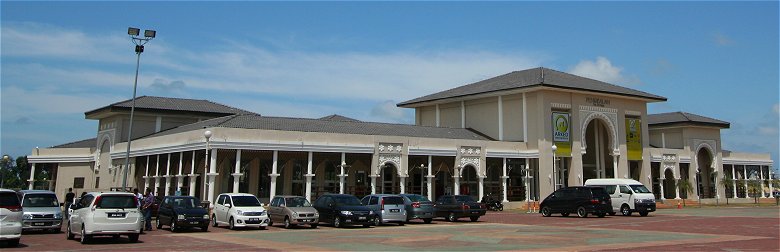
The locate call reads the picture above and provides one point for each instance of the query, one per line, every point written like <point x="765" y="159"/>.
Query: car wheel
<point x="115" y="237"/>
<point x="13" y="243"/>
<point x="336" y="222"/>
<point x="133" y="237"/>
<point x="173" y="226"/>
<point x="214" y="221"/>
<point x="313" y="225"/>
<point x="581" y="212"/>
<point x="84" y="237"/>
<point x="643" y="213"/>
<point x="546" y="212"/>
<point x="401" y="223"/>
<point x="501" y="208"/>
<point x="263" y="227"/>
<point x="231" y="224"/>
<point x="625" y="210"/>
<point x="612" y="213"/>
<point x="474" y="218"/>
<point x="377" y="221"/>
<point x="204" y="228"/>
<point x="159" y="223"/>
<point x="451" y="218"/>
<point x="68" y="234"/>
<point x="287" y="222"/>
<point x="601" y="215"/>
<point x="565" y="214"/>
<point x="428" y="220"/>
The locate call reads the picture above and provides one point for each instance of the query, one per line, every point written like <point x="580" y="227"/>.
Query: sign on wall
<point x="562" y="133"/>
<point x="634" y="138"/>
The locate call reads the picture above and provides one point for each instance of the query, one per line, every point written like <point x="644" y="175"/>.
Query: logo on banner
<point x="561" y="133"/>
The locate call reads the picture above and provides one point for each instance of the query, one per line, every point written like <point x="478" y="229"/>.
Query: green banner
<point x="634" y="138"/>
<point x="561" y="124"/>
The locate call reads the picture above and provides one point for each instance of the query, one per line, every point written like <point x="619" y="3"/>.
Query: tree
<point x="15" y="172"/>
<point x="728" y="184"/>
<point x="755" y="189"/>
<point x="685" y="186"/>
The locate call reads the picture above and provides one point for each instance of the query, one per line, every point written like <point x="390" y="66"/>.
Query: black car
<point x="453" y="207"/>
<point x="582" y="200"/>
<point x="342" y="210"/>
<point x="181" y="212"/>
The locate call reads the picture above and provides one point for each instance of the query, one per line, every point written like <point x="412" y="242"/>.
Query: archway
<point x="468" y="182"/>
<point x="388" y="179"/>
<point x="597" y="160"/>
<point x="105" y="162"/>
<point x="669" y="184"/>
<point x="705" y="184"/>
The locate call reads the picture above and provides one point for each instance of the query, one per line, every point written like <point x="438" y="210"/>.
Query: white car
<point x="239" y="210"/>
<point x="10" y="217"/>
<point x="105" y="214"/>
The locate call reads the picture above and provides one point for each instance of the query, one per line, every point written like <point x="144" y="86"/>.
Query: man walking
<point x="147" y="208"/>
<point x="68" y="201"/>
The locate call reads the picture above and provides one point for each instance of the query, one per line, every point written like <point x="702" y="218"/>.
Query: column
<point x="745" y="177"/>
<point x="403" y="184"/>
<point x="734" y="181"/>
<point x="180" y="176"/>
<point x="308" y="176"/>
<point x="504" y="183"/>
<point x="31" y="181"/>
<point x="456" y="177"/>
<point x="677" y="191"/>
<point x="661" y="185"/>
<point x="771" y="187"/>
<point x="237" y="171"/>
<point x="167" y="176"/>
<point x="500" y="121"/>
<point x="341" y="173"/>
<point x="157" y="176"/>
<point x="373" y="183"/>
<point x="615" y="158"/>
<point x="212" y="176"/>
<point x="274" y="174"/>
<point x="193" y="176"/>
<point x="146" y="175"/>
<point x="481" y="186"/>
<point x="760" y="171"/>
<point x="429" y="178"/>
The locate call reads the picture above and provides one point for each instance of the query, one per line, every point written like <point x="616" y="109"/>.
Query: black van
<point x="582" y="200"/>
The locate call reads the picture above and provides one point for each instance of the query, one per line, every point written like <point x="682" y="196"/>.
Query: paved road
<point x="690" y="229"/>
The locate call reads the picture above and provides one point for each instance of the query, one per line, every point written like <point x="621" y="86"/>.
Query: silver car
<point x="293" y="210"/>
<point x="388" y="208"/>
<point x="41" y="210"/>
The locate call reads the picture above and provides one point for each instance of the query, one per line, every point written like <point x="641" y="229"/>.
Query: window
<point x="610" y="189"/>
<point x="245" y="201"/>
<point x="221" y="199"/>
<point x="40" y="200"/>
<point x="116" y="201"/>
<point x="624" y="189"/>
<point x="78" y="182"/>
<point x="372" y="201"/>
<point x="97" y="182"/>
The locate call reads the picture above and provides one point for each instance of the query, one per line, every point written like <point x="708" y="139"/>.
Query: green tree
<point x="16" y="172"/>
<point x="755" y="189"/>
<point x="685" y="186"/>
<point x="728" y="184"/>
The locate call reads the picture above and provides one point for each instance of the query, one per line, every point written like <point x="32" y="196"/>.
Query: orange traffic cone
<point x="678" y="205"/>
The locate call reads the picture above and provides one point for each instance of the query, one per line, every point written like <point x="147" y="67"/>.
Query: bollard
<point x="678" y="205"/>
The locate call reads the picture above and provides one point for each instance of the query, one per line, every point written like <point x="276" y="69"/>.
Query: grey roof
<point x="328" y="126"/>
<point x="174" y="104"/>
<point x="86" y="143"/>
<point x="335" y="117"/>
<point x="684" y="118"/>
<point x="534" y="77"/>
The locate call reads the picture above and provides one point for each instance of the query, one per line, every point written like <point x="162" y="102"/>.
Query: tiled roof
<point x="533" y="78"/>
<point x="86" y="143"/>
<point x="175" y="104"/>
<point x="335" y="117"/>
<point x="328" y="126"/>
<point x="684" y="118"/>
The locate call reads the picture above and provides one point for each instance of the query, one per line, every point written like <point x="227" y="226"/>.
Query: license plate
<point x="116" y="215"/>
<point x="362" y="218"/>
<point x="254" y="219"/>
<point x="39" y="223"/>
<point x="304" y="220"/>
<point x="395" y="210"/>
<point x="649" y="209"/>
<point x="194" y="222"/>
<point x="475" y="212"/>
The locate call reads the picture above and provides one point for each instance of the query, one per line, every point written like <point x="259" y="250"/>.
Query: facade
<point x="494" y="136"/>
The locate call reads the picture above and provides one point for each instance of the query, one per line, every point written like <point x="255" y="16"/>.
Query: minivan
<point x="388" y="208"/>
<point x="10" y="218"/>
<point x="627" y="195"/>
<point x="105" y="214"/>
<point x="582" y="200"/>
<point x="41" y="210"/>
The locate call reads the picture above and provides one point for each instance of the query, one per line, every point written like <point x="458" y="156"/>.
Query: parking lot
<point x="690" y="229"/>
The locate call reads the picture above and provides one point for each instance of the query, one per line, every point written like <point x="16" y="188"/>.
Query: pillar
<point x="167" y="176"/>
<point x="615" y="158"/>
<point x="180" y="176"/>
<point x="156" y="175"/>
<point x="237" y="171"/>
<point x="403" y="184"/>
<point x="146" y="176"/>
<point x="481" y="185"/>
<point x="308" y="176"/>
<point x="274" y="174"/>
<point x="733" y="182"/>
<point x="677" y="191"/>
<point x="212" y="175"/>
<point x="31" y="181"/>
<point x="193" y="176"/>
<point x="341" y="173"/>
<point x="745" y="177"/>
<point x="661" y="185"/>
<point x="771" y="188"/>
<point x="373" y="183"/>
<point x="504" y="183"/>
<point x="760" y="171"/>
<point x="429" y="177"/>
<point x="456" y="185"/>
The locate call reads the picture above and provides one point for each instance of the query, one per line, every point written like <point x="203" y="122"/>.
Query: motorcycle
<point x="495" y="206"/>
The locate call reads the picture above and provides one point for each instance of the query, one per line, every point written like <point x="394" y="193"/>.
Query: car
<point x="239" y="210"/>
<point x="454" y="207"/>
<point x="582" y="200"/>
<point x="343" y="210"/>
<point x="105" y="214"/>
<point x="181" y="212"/>
<point x="418" y="207"/>
<point x="41" y="210"/>
<point x="10" y="218"/>
<point x="388" y="208"/>
<point x="627" y="195"/>
<point x="292" y="210"/>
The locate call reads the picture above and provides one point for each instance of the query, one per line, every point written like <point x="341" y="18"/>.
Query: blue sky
<point x="358" y="59"/>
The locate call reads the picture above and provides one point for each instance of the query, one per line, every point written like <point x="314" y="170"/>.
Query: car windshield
<point x="464" y="199"/>
<point x="347" y="201"/>
<point x="8" y="199"/>
<point x="639" y="189"/>
<point x="40" y="200"/>
<point x="417" y="198"/>
<point x="245" y="201"/>
<point x="187" y="203"/>
<point x="297" y="202"/>
<point x="116" y="201"/>
<point x="393" y="200"/>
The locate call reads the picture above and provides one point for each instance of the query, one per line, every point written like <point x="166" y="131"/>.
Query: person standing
<point x="138" y="196"/>
<point x="68" y="201"/>
<point x="147" y="207"/>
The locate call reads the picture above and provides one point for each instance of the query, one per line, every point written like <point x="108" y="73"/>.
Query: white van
<point x="627" y="195"/>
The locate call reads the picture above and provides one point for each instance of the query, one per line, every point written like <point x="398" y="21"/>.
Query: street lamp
<point x="139" y="48"/>
<point x="7" y="159"/>
<point x="554" y="176"/>
<point x="698" y="191"/>
<point x="207" y="135"/>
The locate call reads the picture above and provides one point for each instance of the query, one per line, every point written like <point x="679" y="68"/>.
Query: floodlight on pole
<point x="139" y="48"/>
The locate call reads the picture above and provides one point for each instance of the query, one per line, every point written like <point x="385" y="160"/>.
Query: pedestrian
<point x="138" y="196"/>
<point x="147" y="207"/>
<point x="69" y="201"/>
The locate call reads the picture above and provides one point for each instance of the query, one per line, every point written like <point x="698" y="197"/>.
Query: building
<point x="494" y="136"/>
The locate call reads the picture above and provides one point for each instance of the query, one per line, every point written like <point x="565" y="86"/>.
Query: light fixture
<point x="133" y="31"/>
<point x="150" y="33"/>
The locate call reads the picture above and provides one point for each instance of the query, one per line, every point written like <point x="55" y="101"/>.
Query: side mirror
<point x="227" y="205"/>
<point x="282" y="205"/>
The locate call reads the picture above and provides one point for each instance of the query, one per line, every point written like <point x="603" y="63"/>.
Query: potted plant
<point x="685" y="186"/>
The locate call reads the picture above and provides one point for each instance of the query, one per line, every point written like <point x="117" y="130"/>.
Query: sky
<point x="358" y="59"/>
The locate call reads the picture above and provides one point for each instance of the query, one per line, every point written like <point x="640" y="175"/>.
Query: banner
<point x="562" y="133"/>
<point x="634" y="138"/>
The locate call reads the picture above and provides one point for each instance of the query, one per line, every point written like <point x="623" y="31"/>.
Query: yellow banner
<point x="634" y="138"/>
<point x="562" y="133"/>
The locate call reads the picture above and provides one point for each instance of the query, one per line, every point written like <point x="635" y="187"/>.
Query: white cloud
<point x="386" y="111"/>
<point x="38" y="104"/>
<point x="603" y="70"/>
<point x="776" y="109"/>
<point x="722" y="40"/>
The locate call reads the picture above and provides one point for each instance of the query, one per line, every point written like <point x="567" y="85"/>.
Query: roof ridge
<point x="364" y="122"/>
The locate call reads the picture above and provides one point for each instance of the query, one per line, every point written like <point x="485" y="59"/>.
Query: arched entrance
<point x="388" y="179"/>
<point x="669" y="184"/>
<point x="468" y="182"/>
<point x="706" y="184"/>
<point x="597" y="162"/>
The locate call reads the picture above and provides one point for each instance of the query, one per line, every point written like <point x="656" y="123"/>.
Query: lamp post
<point x="698" y="191"/>
<point x="139" y="48"/>
<point x="207" y="135"/>
<point x="554" y="175"/>
<point x="7" y="159"/>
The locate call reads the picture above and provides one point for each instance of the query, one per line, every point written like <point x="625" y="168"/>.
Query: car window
<point x="393" y="200"/>
<point x="187" y="203"/>
<point x="221" y="199"/>
<point x="275" y="202"/>
<point x="86" y="200"/>
<point x="8" y="199"/>
<point x="116" y="201"/>
<point x="320" y="201"/>
<point x="640" y="189"/>
<point x="463" y="199"/>
<point x="297" y="202"/>
<point x="347" y="201"/>
<point x="245" y="201"/>
<point x="559" y="193"/>
<point x="364" y="201"/>
<point x="610" y="189"/>
<point x="417" y="198"/>
<point x="624" y="189"/>
<point x="40" y="200"/>
<point x="373" y="201"/>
